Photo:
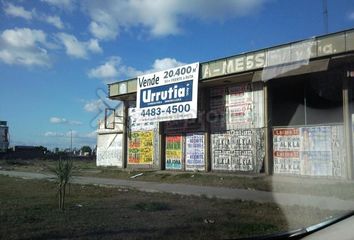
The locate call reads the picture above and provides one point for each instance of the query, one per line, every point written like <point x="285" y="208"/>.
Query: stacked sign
<point x="314" y="151"/>
<point x="142" y="141"/>
<point x="195" y="151"/>
<point x="174" y="152"/>
<point x="236" y="123"/>
<point x="168" y="95"/>
<point x="238" y="150"/>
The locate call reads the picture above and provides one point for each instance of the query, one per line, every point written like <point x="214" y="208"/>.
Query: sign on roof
<point x="168" y="95"/>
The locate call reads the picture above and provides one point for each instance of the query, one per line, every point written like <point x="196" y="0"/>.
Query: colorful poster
<point x="286" y="139"/>
<point x="174" y="152"/>
<point x="141" y="147"/>
<point x="195" y="151"/>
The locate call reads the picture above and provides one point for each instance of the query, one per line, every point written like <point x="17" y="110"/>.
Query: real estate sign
<point x="168" y="95"/>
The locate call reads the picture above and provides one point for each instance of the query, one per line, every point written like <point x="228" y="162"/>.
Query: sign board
<point x="168" y="95"/>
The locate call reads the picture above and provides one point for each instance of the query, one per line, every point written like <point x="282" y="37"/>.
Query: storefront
<point x="286" y="110"/>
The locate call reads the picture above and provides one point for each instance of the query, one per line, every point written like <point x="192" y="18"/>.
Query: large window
<point x="307" y="100"/>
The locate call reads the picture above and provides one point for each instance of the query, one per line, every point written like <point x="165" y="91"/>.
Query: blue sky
<point x="56" y="56"/>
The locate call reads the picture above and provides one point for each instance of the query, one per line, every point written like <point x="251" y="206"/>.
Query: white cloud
<point x="74" y="122"/>
<point x="113" y="69"/>
<point x="58" y="120"/>
<point x="94" y="106"/>
<point x="94" y="46"/>
<point x="165" y="63"/>
<point x="351" y="16"/>
<point x="53" y="134"/>
<point x="106" y="70"/>
<point x="92" y="134"/>
<point x="23" y="37"/>
<point x="17" y="11"/>
<point x="76" y="48"/>
<point x="62" y="4"/>
<point x="24" y="46"/>
<point x="68" y="134"/>
<point x="161" y="17"/>
<point x="55" y="21"/>
<point x="102" y="31"/>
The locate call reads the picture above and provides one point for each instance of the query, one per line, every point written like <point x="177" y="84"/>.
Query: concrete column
<point x="125" y="133"/>
<point x="162" y="146"/>
<point x="268" y="141"/>
<point x="347" y="127"/>
<point x="207" y="142"/>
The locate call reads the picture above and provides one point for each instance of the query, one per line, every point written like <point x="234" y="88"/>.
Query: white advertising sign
<point x="168" y="95"/>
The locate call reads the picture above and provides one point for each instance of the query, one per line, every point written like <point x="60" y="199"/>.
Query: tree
<point x="63" y="172"/>
<point x="86" y="149"/>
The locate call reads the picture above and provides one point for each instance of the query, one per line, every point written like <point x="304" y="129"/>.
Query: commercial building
<point x="284" y="110"/>
<point x="4" y="136"/>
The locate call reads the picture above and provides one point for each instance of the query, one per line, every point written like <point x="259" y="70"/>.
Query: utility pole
<point x="71" y="141"/>
<point x="325" y="15"/>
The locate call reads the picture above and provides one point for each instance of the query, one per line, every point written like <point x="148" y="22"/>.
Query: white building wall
<point x="110" y="141"/>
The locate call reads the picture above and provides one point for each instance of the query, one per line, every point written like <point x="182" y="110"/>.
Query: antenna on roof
<point x="325" y="15"/>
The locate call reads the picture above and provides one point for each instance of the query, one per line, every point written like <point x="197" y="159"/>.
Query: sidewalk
<point x="330" y="203"/>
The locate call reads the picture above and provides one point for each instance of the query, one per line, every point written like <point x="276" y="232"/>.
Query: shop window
<point x="307" y="100"/>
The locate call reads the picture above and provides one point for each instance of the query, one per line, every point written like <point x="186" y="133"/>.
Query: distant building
<point x="4" y="136"/>
<point x="29" y="152"/>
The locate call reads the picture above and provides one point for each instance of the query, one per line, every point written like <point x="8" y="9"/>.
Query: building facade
<point x="285" y="110"/>
<point x="4" y="136"/>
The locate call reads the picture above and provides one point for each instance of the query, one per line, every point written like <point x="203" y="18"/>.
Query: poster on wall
<point x="168" y="95"/>
<point x="286" y="139"/>
<point x="313" y="151"/>
<point x="109" y="150"/>
<point x="135" y="125"/>
<point x="141" y="147"/>
<point x="286" y="147"/>
<point x="316" y="138"/>
<point x="237" y="150"/>
<point x="174" y="152"/>
<point x="287" y="162"/>
<point x="195" y="151"/>
<point x="240" y="106"/>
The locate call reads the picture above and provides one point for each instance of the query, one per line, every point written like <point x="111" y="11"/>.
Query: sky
<point x="57" y="56"/>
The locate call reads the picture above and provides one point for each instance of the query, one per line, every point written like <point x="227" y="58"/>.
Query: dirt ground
<point x="28" y="210"/>
<point x="309" y="186"/>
